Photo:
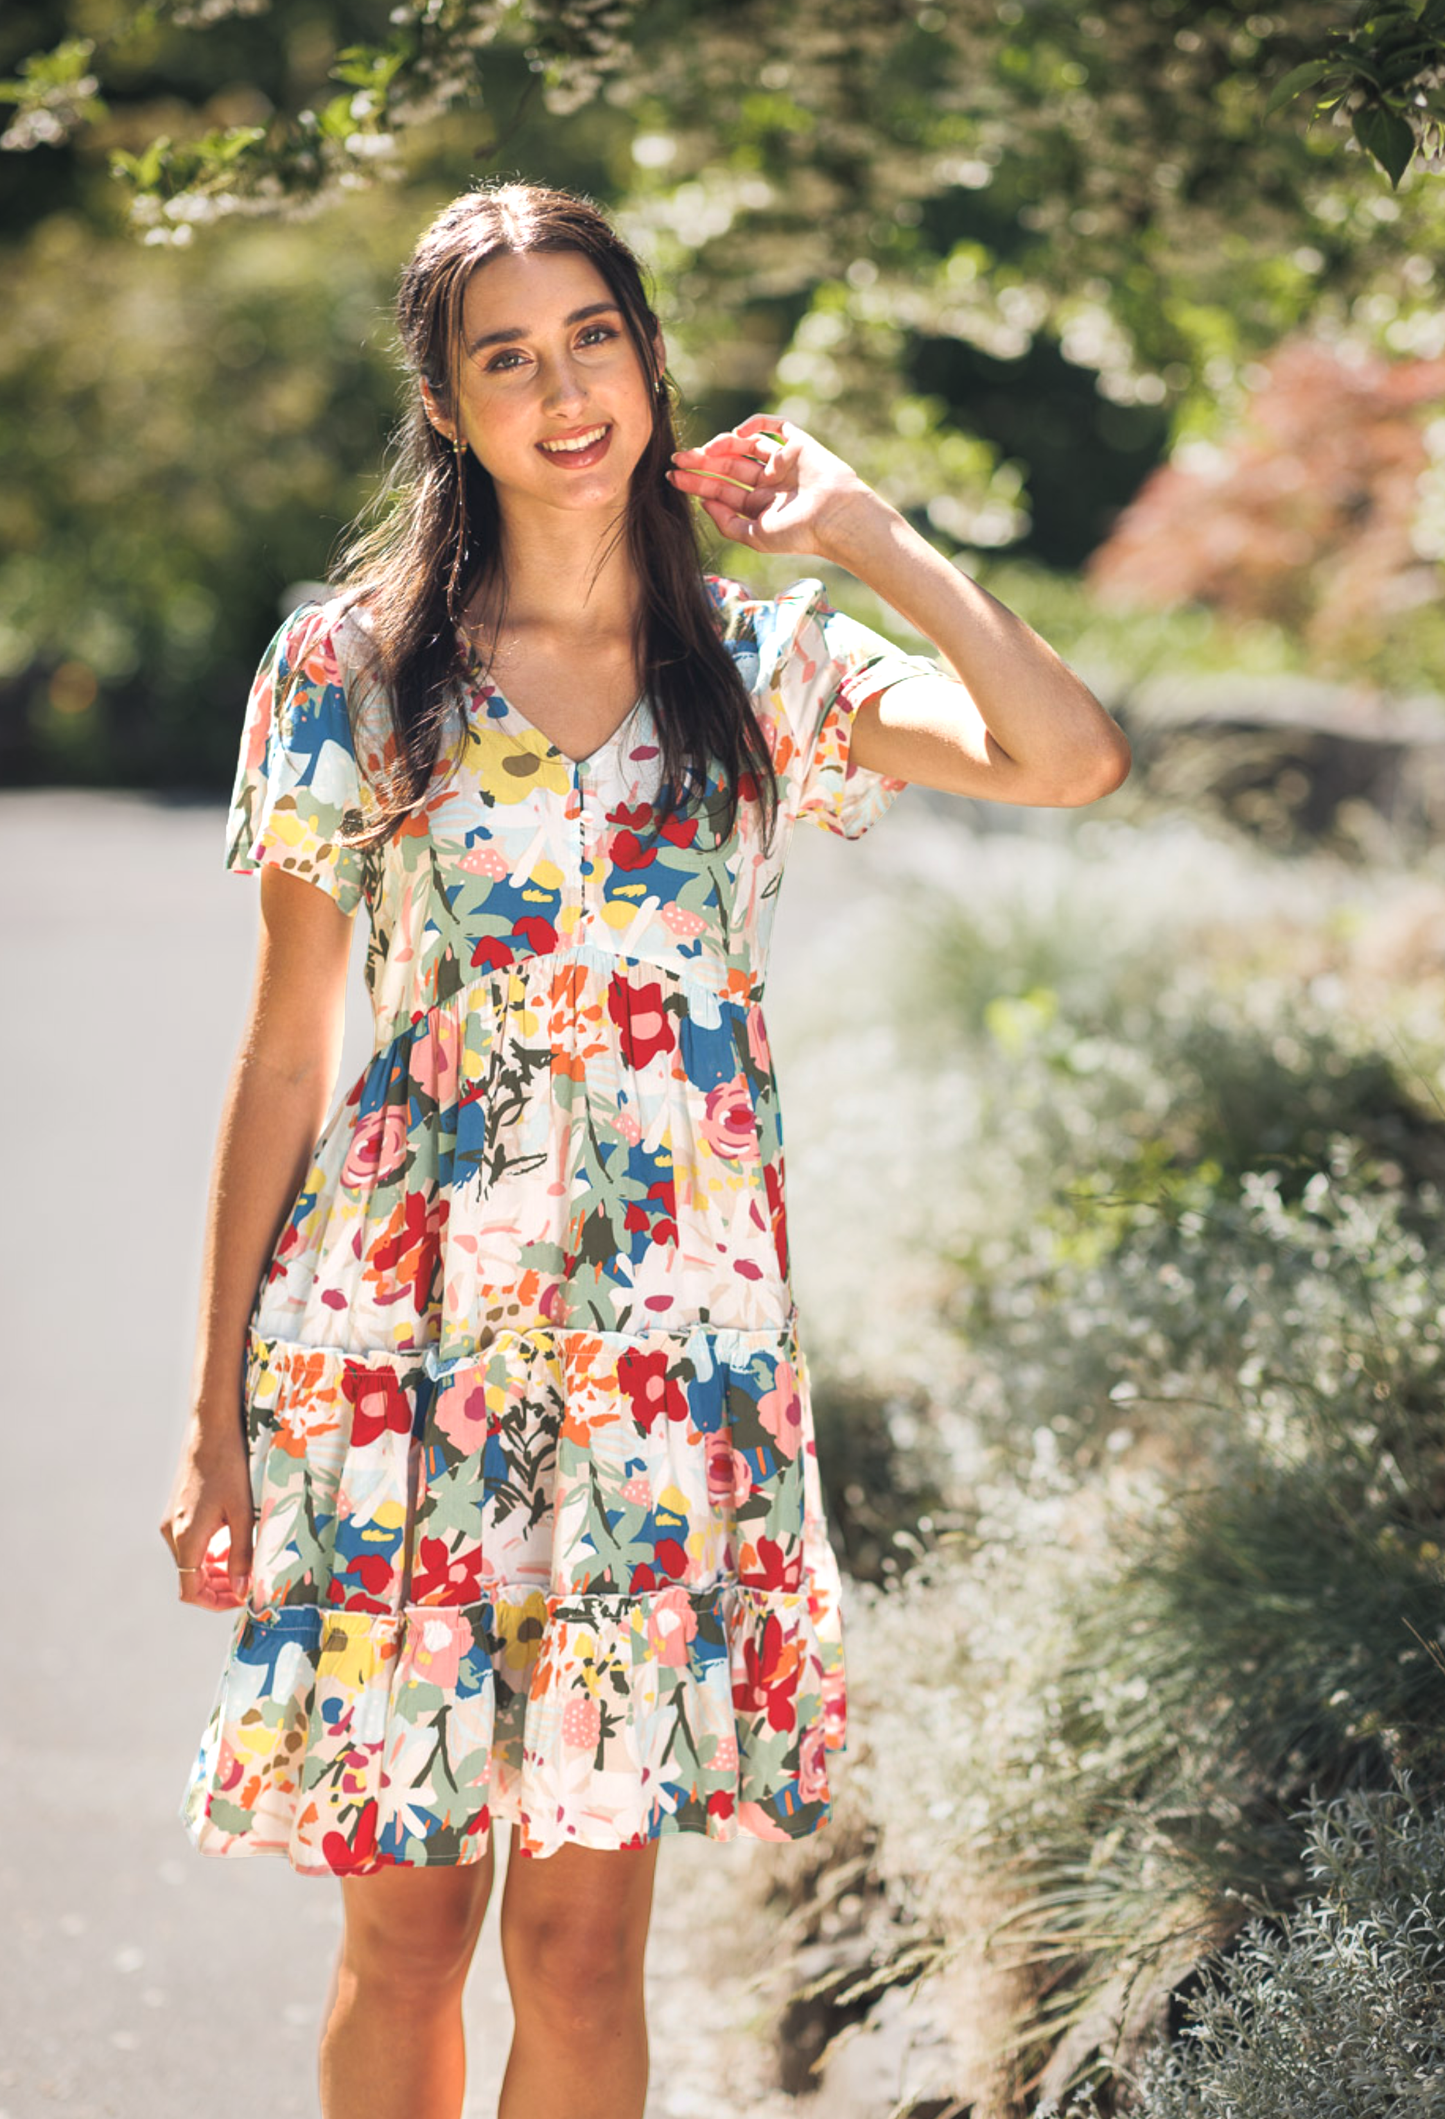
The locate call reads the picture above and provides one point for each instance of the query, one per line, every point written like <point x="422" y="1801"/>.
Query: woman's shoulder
<point x="327" y="634"/>
<point x="765" y="626"/>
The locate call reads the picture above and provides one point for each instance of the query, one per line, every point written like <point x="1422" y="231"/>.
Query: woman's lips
<point x="572" y="458"/>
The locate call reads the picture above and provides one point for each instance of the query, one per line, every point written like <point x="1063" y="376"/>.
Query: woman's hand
<point x="769" y="485"/>
<point x="207" y="1523"/>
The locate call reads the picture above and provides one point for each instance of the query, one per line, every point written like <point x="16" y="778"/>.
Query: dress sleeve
<point x="815" y="672"/>
<point x="297" y="777"/>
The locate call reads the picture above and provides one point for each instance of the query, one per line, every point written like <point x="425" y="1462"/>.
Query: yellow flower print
<point x="354" y="1645"/>
<point x="519" y="1625"/>
<point x="511" y="765"/>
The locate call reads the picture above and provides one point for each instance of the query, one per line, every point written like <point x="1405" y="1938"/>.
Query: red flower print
<point x="647" y="1381"/>
<point x="777" y="1211"/>
<point x="720" y="1803"/>
<point x="538" y="934"/>
<point x="645" y="1025"/>
<point x="629" y="852"/>
<point x="636" y="816"/>
<point x="410" y="1243"/>
<point x="680" y="831"/>
<point x="378" y="1403"/>
<point x="443" y="1577"/>
<point x="373" y="1573"/>
<point x="492" y="953"/>
<point x="355" y="1856"/>
<point x="671" y="1558"/>
<point x="770" y="1667"/>
<point x="762" y="1566"/>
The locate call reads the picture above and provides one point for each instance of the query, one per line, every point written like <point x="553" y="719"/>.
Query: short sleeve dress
<point x="539" y="1530"/>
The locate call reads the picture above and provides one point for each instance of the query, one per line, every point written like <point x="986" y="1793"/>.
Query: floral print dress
<point x="539" y="1532"/>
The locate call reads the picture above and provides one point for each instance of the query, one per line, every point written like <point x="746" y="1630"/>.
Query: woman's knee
<point x="575" y="1958"/>
<point x="414" y="1930"/>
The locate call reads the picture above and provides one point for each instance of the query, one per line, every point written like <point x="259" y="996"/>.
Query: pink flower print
<point x="354" y="1772"/>
<point x="433" y="1067"/>
<point x="681" y="923"/>
<point x="581" y="1724"/>
<point x="729" y="1482"/>
<point x="484" y="861"/>
<point x="628" y="1127"/>
<point x="781" y="1410"/>
<point x="438" y="1647"/>
<point x="812" y="1765"/>
<point x="759" y="1050"/>
<point x="461" y="1415"/>
<point x="725" y="1757"/>
<point x="378" y="1147"/>
<point x="671" y="1624"/>
<point x="728" y="1125"/>
<point x="637" y="1491"/>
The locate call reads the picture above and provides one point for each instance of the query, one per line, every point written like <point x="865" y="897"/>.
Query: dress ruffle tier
<point x="539" y="1528"/>
<point x="578" y="1580"/>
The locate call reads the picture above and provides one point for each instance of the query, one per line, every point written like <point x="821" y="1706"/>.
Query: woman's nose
<point x="562" y="386"/>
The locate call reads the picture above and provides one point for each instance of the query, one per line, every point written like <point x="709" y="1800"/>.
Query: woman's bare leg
<point x="574" y="1934"/>
<point x="392" y="2046"/>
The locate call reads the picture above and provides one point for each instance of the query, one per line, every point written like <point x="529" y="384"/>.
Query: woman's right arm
<point x="276" y="1104"/>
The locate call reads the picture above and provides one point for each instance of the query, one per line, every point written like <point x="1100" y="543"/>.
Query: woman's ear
<point x="434" y="412"/>
<point x="659" y="360"/>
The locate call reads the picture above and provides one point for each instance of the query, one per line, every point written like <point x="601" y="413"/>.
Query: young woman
<point x="501" y="1449"/>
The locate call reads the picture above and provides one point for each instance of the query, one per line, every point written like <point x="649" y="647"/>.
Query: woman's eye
<point x="596" y="335"/>
<point x="500" y="362"/>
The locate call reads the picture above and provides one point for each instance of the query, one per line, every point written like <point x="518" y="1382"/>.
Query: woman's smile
<point x="580" y="449"/>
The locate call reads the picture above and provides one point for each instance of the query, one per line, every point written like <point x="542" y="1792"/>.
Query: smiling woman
<point x="501" y="1449"/>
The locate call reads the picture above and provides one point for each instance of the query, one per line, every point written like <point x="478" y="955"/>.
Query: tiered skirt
<point x="577" y="1580"/>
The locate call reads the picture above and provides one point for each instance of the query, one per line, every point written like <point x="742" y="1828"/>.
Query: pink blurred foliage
<point x="1304" y="516"/>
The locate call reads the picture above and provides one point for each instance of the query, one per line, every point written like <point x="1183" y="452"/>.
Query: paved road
<point x="139" y="1980"/>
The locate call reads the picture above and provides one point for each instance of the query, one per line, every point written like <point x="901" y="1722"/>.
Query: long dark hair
<point x="437" y="538"/>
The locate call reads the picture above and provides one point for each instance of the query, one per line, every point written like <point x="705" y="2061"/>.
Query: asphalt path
<point x="140" y="1980"/>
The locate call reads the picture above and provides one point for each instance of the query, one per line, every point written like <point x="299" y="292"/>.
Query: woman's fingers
<point x="208" y="1530"/>
<point x="740" y="529"/>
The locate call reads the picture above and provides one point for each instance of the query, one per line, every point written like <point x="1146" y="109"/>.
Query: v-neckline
<point x="494" y="691"/>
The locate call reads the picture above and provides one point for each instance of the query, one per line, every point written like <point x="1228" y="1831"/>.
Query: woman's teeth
<point x="578" y="441"/>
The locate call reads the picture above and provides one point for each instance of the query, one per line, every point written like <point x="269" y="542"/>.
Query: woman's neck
<point x="563" y="575"/>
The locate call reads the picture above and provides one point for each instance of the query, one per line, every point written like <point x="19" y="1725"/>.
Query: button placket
<point x="586" y="841"/>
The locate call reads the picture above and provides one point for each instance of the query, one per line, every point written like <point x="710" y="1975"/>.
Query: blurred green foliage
<point x="1001" y="257"/>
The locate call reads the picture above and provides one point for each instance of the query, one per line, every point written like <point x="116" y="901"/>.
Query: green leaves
<point x="1386" y="135"/>
<point x="1383" y="72"/>
<point x="55" y="94"/>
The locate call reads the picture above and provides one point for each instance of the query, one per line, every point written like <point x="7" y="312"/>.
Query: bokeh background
<point x="1116" y="1137"/>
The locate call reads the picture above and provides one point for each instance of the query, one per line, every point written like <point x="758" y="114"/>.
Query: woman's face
<point x="550" y="394"/>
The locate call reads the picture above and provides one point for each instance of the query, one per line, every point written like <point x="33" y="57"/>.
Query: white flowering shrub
<point x="1340" y="2007"/>
<point x="1180" y="1571"/>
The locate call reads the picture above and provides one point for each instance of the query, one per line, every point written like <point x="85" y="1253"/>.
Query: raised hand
<point x="769" y="485"/>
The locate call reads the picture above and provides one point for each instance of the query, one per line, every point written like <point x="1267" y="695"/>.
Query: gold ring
<point x="188" y="1570"/>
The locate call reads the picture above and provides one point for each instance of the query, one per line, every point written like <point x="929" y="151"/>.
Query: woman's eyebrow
<point x="578" y="316"/>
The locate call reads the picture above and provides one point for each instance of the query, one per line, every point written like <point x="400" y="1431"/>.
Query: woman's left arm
<point x="1014" y="725"/>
